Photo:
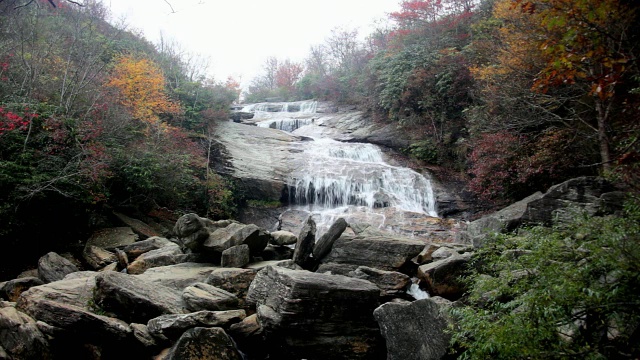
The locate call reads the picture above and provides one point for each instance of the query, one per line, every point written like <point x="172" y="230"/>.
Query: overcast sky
<point x="238" y="35"/>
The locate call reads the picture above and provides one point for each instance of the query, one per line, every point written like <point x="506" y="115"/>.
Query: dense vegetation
<point x="92" y="115"/>
<point x="567" y="292"/>
<point x="513" y="95"/>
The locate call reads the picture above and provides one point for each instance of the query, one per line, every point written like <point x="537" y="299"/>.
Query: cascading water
<point x="334" y="179"/>
<point x="284" y="116"/>
<point x="336" y="174"/>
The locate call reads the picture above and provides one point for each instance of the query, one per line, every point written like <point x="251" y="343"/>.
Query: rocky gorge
<point x="346" y="268"/>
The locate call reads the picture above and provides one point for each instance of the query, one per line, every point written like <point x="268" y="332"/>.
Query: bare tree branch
<point x="168" y="3"/>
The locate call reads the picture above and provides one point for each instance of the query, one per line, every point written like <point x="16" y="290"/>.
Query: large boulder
<point x="53" y="267"/>
<point x="204" y="343"/>
<point x="20" y="337"/>
<point x="237" y="234"/>
<point x="306" y="241"/>
<point x="74" y="292"/>
<point x="168" y="255"/>
<point x="192" y="231"/>
<point x="391" y="283"/>
<point x="381" y="252"/>
<point x="234" y="280"/>
<point x="201" y="296"/>
<point x="139" y="227"/>
<point x="414" y="330"/>
<point x="282" y="238"/>
<point x="112" y="238"/>
<point x="11" y="290"/>
<point x="135" y="300"/>
<point x="316" y="316"/>
<point x="98" y="257"/>
<point x="258" y="157"/>
<point x="324" y="244"/>
<point x="594" y="195"/>
<point x="442" y="276"/>
<point x="236" y="256"/>
<point x="140" y="247"/>
<point x="172" y="326"/>
<point x="178" y="276"/>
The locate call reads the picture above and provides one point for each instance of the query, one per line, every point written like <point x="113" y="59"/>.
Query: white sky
<point x="238" y="35"/>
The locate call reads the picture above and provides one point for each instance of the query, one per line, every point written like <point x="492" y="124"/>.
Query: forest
<point x="509" y="96"/>
<point x="506" y="97"/>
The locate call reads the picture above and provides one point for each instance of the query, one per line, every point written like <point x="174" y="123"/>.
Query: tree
<point x="141" y="89"/>
<point x="556" y="293"/>
<point x="589" y="42"/>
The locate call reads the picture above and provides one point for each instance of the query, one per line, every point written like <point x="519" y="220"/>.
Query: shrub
<point x="552" y="293"/>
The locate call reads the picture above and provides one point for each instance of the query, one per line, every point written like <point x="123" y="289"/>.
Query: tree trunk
<point x="603" y="140"/>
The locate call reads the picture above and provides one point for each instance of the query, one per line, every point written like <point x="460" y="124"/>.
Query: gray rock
<point x="249" y="337"/>
<point x="236" y="256"/>
<point x="178" y="276"/>
<point x="248" y="327"/>
<point x="316" y="315"/>
<point x="237" y="234"/>
<point x="112" y="238"/>
<point x="282" y="237"/>
<point x="135" y="300"/>
<point x="98" y="257"/>
<point x="336" y="269"/>
<point x="204" y="343"/>
<point x="594" y="195"/>
<point x="277" y="253"/>
<point x="258" y="157"/>
<point x="425" y="255"/>
<point x="391" y="283"/>
<point x="83" y="324"/>
<point x="168" y="255"/>
<point x="110" y="267"/>
<point x="234" y="280"/>
<point x="305" y="244"/>
<point x="172" y="326"/>
<point x="140" y="247"/>
<point x="414" y="331"/>
<point x="11" y="290"/>
<point x="203" y="296"/>
<point x="20" y="337"/>
<point x="53" y="267"/>
<point x="143" y="336"/>
<point x="374" y="251"/>
<point x="324" y="244"/>
<point x="288" y="264"/>
<point x="74" y="292"/>
<point x="443" y="253"/>
<point x="138" y="227"/>
<point x="442" y="276"/>
<point x="192" y="230"/>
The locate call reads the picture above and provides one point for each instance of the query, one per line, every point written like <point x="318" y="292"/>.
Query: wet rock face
<point x="316" y="316"/>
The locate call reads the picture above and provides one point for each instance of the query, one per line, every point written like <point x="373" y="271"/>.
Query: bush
<point x="563" y="292"/>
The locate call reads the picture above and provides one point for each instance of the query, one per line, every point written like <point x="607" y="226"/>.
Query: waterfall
<point x="332" y="179"/>
<point x="305" y="107"/>
<point x="288" y="125"/>
<point x="335" y="174"/>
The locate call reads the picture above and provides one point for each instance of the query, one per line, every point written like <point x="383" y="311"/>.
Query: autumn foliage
<point x="141" y="89"/>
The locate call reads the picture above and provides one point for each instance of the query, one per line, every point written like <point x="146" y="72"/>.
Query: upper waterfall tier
<point x="304" y="107"/>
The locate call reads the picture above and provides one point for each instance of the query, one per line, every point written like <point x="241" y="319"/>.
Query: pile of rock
<point x="226" y="290"/>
